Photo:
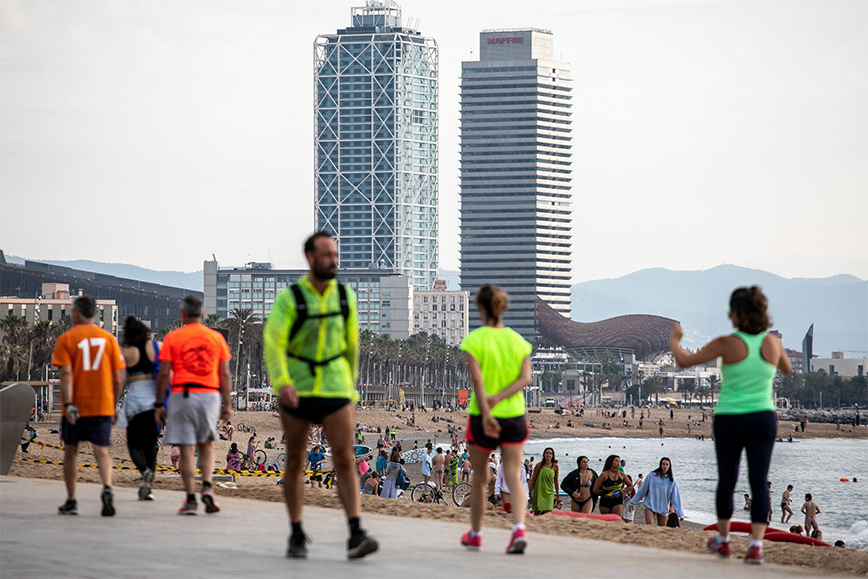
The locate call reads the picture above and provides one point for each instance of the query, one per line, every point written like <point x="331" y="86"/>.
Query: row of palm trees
<point x="26" y="348"/>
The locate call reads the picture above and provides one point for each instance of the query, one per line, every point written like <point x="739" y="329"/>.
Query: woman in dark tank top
<point x="137" y="412"/>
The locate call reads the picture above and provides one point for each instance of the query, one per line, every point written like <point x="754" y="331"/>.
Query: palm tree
<point x="713" y="385"/>
<point x="245" y="337"/>
<point x="42" y="339"/>
<point x="16" y="342"/>
<point x="212" y="320"/>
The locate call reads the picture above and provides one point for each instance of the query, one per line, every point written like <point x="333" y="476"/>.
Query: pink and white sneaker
<point x="754" y="555"/>
<point x="719" y="548"/>
<point x="517" y="543"/>
<point x="473" y="543"/>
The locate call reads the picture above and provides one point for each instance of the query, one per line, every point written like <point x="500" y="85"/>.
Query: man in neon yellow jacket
<point x="312" y="353"/>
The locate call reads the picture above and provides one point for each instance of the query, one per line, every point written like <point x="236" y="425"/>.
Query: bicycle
<point x="244" y="428"/>
<point x="460" y="492"/>
<point x="427" y="493"/>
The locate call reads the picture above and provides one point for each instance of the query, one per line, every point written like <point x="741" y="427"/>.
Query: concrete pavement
<point x="248" y="538"/>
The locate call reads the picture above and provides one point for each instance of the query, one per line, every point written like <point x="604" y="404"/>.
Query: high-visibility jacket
<point x="322" y="359"/>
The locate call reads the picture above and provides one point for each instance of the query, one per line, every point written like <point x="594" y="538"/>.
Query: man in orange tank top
<point x="91" y="379"/>
<point x="197" y="359"/>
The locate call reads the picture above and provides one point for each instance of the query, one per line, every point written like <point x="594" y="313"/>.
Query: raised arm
<point x="685" y="359"/>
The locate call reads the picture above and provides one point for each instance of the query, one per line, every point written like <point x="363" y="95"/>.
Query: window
<point x="386" y="304"/>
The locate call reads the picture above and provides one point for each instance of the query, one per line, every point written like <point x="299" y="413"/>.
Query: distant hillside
<point x="837" y="306"/>
<point x="193" y="280"/>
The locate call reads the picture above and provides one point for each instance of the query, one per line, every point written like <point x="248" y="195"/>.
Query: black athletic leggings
<point x="142" y="440"/>
<point x="756" y="434"/>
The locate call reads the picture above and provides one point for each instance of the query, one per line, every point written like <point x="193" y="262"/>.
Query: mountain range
<point x="837" y="305"/>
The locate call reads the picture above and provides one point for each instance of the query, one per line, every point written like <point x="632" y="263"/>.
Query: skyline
<point x="158" y="105"/>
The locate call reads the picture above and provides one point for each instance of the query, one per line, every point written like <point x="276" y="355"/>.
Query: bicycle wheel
<point x="281" y="461"/>
<point x="422" y="493"/>
<point x="241" y="427"/>
<point x="460" y="493"/>
<point x="259" y="457"/>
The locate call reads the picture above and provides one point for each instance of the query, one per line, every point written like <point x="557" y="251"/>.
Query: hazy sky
<point x="160" y="132"/>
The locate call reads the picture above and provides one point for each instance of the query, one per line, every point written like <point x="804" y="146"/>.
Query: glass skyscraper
<point x="376" y="150"/>
<point x="515" y="173"/>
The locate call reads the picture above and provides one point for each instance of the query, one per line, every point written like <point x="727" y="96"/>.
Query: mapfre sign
<point x="507" y="40"/>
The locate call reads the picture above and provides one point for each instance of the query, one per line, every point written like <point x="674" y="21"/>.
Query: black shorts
<point x="512" y="431"/>
<point x="94" y="429"/>
<point x="610" y="502"/>
<point x="314" y="409"/>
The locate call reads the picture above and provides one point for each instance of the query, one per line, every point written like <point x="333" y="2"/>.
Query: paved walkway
<point x="147" y="539"/>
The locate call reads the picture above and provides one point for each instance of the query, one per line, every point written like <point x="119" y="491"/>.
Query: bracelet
<point x="158" y="404"/>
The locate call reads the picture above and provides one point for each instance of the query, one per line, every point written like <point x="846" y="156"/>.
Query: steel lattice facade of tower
<point x="376" y="151"/>
<point x="516" y="157"/>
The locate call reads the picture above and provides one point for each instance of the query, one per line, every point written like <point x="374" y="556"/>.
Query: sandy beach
<point x="687" y="538"/>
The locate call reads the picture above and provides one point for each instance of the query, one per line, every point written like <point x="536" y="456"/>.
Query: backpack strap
<point x="300" y="308"/>
<point x="345" y="305"/>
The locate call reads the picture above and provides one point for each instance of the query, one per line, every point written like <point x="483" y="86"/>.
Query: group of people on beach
<point x="311" y="343"/>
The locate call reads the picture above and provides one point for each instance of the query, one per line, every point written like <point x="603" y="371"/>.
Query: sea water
<point x="811" y="465"/>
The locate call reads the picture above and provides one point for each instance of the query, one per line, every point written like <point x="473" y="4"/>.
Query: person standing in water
<point x="498" y="360"/>
<point x="744" y="417"/>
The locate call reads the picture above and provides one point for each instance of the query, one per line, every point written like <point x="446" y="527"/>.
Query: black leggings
<point x="142" y="440"/>
<point x="756" y="434"/>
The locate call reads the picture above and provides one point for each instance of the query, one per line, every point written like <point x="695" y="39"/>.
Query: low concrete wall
<point x="16" y="402"/>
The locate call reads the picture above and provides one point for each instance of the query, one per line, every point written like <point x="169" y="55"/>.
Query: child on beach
<point x="744" y="418"/>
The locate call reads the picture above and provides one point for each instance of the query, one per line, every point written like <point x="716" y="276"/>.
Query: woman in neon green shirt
<point x="744" y="417"/>
<point x="498" y="359"/>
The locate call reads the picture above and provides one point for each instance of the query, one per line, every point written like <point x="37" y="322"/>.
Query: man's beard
<point x="324" y="273"/>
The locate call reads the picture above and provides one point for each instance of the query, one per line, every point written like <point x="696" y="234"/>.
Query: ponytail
<point x="493" y="301"/>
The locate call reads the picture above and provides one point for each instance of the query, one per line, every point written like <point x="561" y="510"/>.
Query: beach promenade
<point x="249" y="538"/>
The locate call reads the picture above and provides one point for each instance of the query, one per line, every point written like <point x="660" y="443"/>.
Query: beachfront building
<point x="516" y="149"/>
<point x="838" y="365"/>
<point x="385" y="298"/>
<point x="53" y="304"/>
<point x="442" y="313"/>
<point x="376" y="143"/>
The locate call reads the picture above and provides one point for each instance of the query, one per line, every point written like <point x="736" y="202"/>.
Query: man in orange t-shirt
<point x="91" y="378"/>
<point x="197" y="358"/>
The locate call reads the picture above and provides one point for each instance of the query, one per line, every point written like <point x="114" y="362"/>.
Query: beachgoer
<point x="747" y="502"/>
<point x="312" y="353"/>
<point x="439" y="462"/>
<point x="91" y="371"/>
<point x="810" y="509"/>
<point x="453" y="469"/>
<point x="498" y="360"/>
<point x="578" y="485"/>
<point x="390" y="476"/>
<point x="544" y="483"/>
<point x="233" y="457"/>
<point x="427" y="458"/>
<point x="660" y="492"/>
<point x="314" y="464"/>
<point x="501" y="489"/>
<point x="466" y="469"/>
<point x="382" y="462"/>
<point x="251" y="453"/>
<point x="196" y="360"/>
<point x="786" y="511"/>
<point x="744" y="417"/>
<point x="175" y="456"/>
<point x="372" y="482"/>
<point x="611" y="486"/>
<point x="140" y="355"/>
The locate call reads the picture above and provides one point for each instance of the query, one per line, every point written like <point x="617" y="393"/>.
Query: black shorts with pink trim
<point x="512" y="431"/>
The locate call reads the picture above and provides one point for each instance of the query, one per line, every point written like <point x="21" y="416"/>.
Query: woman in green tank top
<point x="744" y="418"/>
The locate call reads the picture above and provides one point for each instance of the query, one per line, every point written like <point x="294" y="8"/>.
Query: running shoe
<point x="70" y="507"/>
<point x="150" y="497"/>
<point x="754" y="555"/>
<point x="211" y="505"/>
<point x="361" y="544"/>
<point x="188" y="508"/>
<point x="719" y="548"/>
<point x="472" y="543"/>
<point x="145" y="484"/>
<point x="297" y="547"/>
<point x="108" y="507"/>
<point x="517" y="543"/>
